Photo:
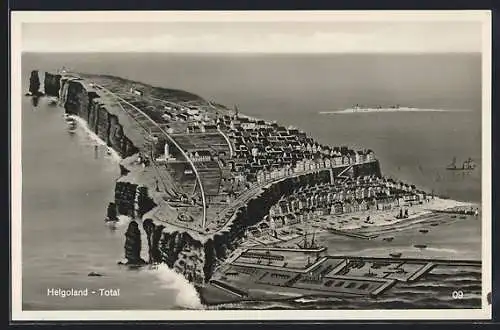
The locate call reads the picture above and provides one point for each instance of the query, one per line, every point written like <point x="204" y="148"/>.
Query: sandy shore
<point x="383" y="218"/>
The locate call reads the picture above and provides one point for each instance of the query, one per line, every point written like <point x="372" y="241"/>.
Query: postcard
<point x="329" y="165"/>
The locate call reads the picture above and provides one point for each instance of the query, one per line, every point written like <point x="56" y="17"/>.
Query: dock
<point x="415" y="260"/>
<point x="384" y="287"/>
<point x="316" y="250"/>
<point x="422" y="271"/>
<point x="349" y="234"/>
<point x="228" y="288"/>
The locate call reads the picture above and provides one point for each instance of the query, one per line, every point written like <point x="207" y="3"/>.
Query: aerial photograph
<point x="245" y="165"/>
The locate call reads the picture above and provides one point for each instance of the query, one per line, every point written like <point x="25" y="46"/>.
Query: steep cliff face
<point x="77" y="100"/>
<point x="366" y="169"/>
<point x="195" y="260"/>
<point x="52" y="84"/>
<point x="133" y="244"/>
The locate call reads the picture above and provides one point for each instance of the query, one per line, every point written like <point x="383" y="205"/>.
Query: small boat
<point x="420" y="246"/>
<point x="434" y="224"/>
<point x="453" y="216"/>
<point x="463" y="217"/>
<point x="467" y="165"/>
<point x="94" y="274"/>
<point x="424" y="231"/>
<point x="396" y="254"/>
<point x="388" y="239"/>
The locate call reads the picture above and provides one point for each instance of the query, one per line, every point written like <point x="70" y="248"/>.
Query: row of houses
<point x="355" y="195"/>
<point x="379" y="203"/>
<point x="365" y="185"/>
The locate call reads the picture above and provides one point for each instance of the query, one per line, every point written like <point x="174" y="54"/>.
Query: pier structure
<point x="292" y="272"/>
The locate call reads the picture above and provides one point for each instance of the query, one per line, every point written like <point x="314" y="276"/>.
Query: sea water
<point x="67" y="183"/>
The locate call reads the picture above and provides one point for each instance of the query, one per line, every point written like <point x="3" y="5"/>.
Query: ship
<point x="379" y="108"/>
<point x="467" y="165"/>
<point x="306" y="245"/>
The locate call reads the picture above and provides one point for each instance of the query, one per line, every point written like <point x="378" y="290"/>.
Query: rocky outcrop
<point x="367" y="169"/>
<point x="125" y="198"/>
<point x="133" y="244"/>
<point x="78" y="100"/>
<point x="34" y="87"/>
<point x="52" y="84"/>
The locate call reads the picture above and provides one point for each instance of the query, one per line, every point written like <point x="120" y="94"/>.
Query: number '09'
<point x="457" y="294"/>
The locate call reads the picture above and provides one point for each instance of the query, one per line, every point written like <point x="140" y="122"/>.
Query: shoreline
<point x="94" y="136"/>
<point x="382" y="218"/>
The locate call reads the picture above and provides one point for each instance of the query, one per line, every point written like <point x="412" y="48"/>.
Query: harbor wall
<point x="195" y="260"/>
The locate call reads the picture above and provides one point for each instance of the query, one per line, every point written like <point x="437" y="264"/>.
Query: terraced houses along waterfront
<point x="348" y="196"/>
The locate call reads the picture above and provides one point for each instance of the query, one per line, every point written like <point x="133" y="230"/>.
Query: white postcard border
<point x="17" y="18"/>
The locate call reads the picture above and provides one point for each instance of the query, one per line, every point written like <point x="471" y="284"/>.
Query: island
<point x="236" y="204"/>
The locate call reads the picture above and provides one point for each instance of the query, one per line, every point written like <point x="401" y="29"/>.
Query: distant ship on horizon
<point x="467" y="165"/>
<point x="363" y="108"/>
<point x="379" y="108"/>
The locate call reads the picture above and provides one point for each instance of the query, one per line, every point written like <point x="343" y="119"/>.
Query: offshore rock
<point x="52" y="84"/>
<point x="133" y="244"/>
<point x="34" y="88"/>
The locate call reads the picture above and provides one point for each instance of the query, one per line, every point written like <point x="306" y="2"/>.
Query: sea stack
<point x="133" y="244"/>
<point x="34" y="88"/>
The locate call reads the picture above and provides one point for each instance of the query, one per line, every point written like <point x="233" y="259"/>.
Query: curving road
<point x="198" y="178"/>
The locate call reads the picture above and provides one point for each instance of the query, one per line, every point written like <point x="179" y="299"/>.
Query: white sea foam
<point x="123" y="221"/>
<point x="94" y="137"/>
<point x="187" y="296"/>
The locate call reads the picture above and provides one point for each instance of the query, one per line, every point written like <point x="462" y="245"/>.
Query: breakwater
<point x="192" y="258"/>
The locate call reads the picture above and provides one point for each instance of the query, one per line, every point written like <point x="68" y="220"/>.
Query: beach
<point x="358" y="220"/>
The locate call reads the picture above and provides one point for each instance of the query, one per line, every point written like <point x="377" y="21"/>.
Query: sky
<point x="255" y="37"/>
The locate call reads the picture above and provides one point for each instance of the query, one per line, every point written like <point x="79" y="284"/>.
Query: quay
<point x="351" y="234"/>
<point x="295" y="272"/>
<point x="457" y="212"/>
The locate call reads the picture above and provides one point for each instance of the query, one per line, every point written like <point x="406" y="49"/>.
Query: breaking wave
<point x="186" y="297"/>
<point x="94" y="137"/>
